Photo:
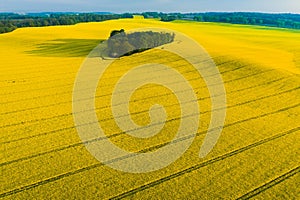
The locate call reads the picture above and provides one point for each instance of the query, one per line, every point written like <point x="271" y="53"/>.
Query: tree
<point x="115" y="32"/>
<point x="121" y="44"/>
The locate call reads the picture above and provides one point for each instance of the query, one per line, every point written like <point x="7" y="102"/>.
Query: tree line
<point x="284" y="20"/>
<point x="12" y="21"/>
<point x="122" y="44"/>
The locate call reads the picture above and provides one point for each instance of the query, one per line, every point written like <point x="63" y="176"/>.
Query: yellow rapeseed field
<point x="257" y="155"/>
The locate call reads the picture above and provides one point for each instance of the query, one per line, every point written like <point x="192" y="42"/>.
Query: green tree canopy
<point x="120" y="43"/>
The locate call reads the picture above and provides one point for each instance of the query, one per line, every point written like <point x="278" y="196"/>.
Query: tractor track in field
<point x="69" y="114"/>
<point x="133" y="62"/>
<point x="44" y="69"/>
<point x="102" y="120"/>
<point x="270" y="184"/>
<point x="123" y="71"/>
<point x="67" y="102"/>
<point x="156" y="182"/>
<point x="196" y="167"/>
<point x="38" y="97"/>
<point x="2" y="70"/>
<point x="144" y="150"/>
<point x="68" y="92"/>
<point x="65" y="85"/>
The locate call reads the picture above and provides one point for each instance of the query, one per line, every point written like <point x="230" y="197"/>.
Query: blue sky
<point x="120" y="6"/>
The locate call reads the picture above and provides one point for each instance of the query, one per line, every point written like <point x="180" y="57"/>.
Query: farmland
<point x="257" y="154"/>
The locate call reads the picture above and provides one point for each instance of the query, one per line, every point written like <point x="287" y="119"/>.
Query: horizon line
<point x="171" y="12"/>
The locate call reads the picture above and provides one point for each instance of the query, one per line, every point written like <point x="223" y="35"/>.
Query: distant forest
<point x="285" y="20"/>
<point x="12" y="21"/>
